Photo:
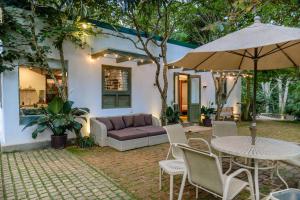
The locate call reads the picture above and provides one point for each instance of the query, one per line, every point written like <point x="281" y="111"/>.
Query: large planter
<point x="59" y="141"/>
<point x="207" y="122"/>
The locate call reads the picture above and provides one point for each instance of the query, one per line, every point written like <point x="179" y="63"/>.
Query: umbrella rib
<point x="275" y="50"/>
<point x="239" y="54"/>
<point x="286" y="55"/>
<point x="271" y="51"/>
<point x="260" y="50"/>
<point x="249" y="53"/>
<point x="242" y="59"/>
<point x="195" y="67"/>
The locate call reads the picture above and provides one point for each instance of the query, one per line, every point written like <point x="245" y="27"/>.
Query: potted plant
<point x="206" y="112"/>
<point x="172" y="115"/>
<point x="59" y="117"/>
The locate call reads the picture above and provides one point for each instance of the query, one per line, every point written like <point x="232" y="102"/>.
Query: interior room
<point x="182" y="95"/>
<point x="36" y="89"/>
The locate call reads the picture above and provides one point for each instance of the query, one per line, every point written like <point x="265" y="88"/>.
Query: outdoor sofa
<point x="127" y="132"/>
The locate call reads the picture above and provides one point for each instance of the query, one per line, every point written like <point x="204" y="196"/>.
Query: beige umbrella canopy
<point x="256" y="47"/>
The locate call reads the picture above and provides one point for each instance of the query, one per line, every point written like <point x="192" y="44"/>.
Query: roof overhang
<point x="122" y="56"/>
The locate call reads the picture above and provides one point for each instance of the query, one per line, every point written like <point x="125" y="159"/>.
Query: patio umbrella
<point x="256" y="47"/>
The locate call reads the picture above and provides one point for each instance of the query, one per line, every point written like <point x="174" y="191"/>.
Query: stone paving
<point x="137" y="170"/>
<point x="53" y="174"/>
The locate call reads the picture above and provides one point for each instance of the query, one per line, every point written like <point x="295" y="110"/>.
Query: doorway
<point x="187" y="91"/>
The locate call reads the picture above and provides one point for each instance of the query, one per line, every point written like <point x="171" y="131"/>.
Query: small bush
<point x="86" y="142"/>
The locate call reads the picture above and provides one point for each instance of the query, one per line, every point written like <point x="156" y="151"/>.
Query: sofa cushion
<point x="117" y="122"/>
<point x="127" y="134"/>
<point x="148" y="119"/>
<point x="106" y="122"/>
<point x="139" y="120"/>
<point x="153" y="130"/>
<point x="128" y="120"/>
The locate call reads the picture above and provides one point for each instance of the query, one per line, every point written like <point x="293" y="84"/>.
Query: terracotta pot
<point x="207" y="122"/>
<point x="59" y="141"/>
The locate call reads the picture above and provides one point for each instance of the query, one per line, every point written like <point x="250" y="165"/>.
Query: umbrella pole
<point x="253" y="124"/>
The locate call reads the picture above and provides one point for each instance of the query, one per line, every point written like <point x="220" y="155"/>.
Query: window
<point x="36" y="90"/>
<point x="116" y="87"/>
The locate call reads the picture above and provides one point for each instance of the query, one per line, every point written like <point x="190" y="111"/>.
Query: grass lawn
<point x="289" y="131"/>
<point x="137" y="170"/>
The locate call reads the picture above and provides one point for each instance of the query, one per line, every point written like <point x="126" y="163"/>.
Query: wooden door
<point x="194" y="98"/>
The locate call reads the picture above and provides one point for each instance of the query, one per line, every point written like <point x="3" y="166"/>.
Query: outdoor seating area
<point x="127" y="132"/>
<point x="135" y="99"/>
<point x="144" y="179"/>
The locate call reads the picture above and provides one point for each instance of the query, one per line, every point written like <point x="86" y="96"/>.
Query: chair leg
<point x="182" y="186"/>
<point x="197" y="192"/>
<point x="160" y="179"/>
<point x="171" y="186"/>
<point x="169" y="151"/>
<point x="280" y="177"/>
<point x="230" y="166"/>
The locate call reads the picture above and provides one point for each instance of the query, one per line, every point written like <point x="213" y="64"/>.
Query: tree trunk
<point x="164" y="94"/>
<point x="266" y="88"/>
<point x="282" y="95"/>
<point x="219" y="87"/>
<point x="64" y="72"/>
<point x="39" y="51"/>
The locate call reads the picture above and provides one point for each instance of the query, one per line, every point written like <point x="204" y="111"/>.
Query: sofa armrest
<point x="98" y="132"/>
<point x="155" y="121"/>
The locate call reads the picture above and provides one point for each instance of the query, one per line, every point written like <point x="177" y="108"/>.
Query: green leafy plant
<point x="59" y="117"/>
<point x="172" y="115"/>
<point x="207" y="112"/>
<point x="85" y="142"/>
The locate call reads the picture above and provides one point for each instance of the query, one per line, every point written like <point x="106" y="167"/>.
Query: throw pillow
<point x="117" y="122"/>
<point x="106" y="122"/>
<point x="139" y="120"/>
<point x="148" y="119"/>
<point x="128" y="120"/>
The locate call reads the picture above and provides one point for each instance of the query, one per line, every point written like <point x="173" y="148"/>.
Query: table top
<point x="264" y="148"/>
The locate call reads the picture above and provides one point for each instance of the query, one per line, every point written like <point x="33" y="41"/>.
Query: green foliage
<point x="15" y="39"/>
<point x="172" y="115"/>
<point x="293" y="105"/>
<point x="59" y="117"/>
<point x="207" y="112"/>
<point x="86" y="142"/>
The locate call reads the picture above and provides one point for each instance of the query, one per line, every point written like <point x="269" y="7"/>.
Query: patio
<point x="137" y="170"/>
<point x="53" y="174"/>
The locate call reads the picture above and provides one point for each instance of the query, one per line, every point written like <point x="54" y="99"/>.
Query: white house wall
<point x="84" y="82"/>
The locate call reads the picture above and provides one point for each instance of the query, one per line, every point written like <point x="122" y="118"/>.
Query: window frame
<point x="116" y="94"/>
<point x="24" y="119"/>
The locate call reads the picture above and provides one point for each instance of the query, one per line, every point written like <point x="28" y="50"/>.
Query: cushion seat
<point x="136" y="132"/>
<point x="153" y="130"/>
<point x="127" y="134"/>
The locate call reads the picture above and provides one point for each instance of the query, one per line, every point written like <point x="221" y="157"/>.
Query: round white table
<point x="264" y="149"/>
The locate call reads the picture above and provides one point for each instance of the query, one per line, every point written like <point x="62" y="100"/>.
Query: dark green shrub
<point x="86" y="142"/>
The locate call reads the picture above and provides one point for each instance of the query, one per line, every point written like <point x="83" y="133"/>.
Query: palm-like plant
<point x="59" y="117"/>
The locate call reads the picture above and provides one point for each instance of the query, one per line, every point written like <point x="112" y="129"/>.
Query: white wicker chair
<point x="223" y="129"/>
<point x="204" y="172"/>
<point x="177" y="135"/>
<point x="295" y="161"/>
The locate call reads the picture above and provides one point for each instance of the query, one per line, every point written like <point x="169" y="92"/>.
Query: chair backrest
<point x="227" y="111"/>
<point x="176" y="135"/>
<point x="224" y="128"/>
<point x="203" y="169"/>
